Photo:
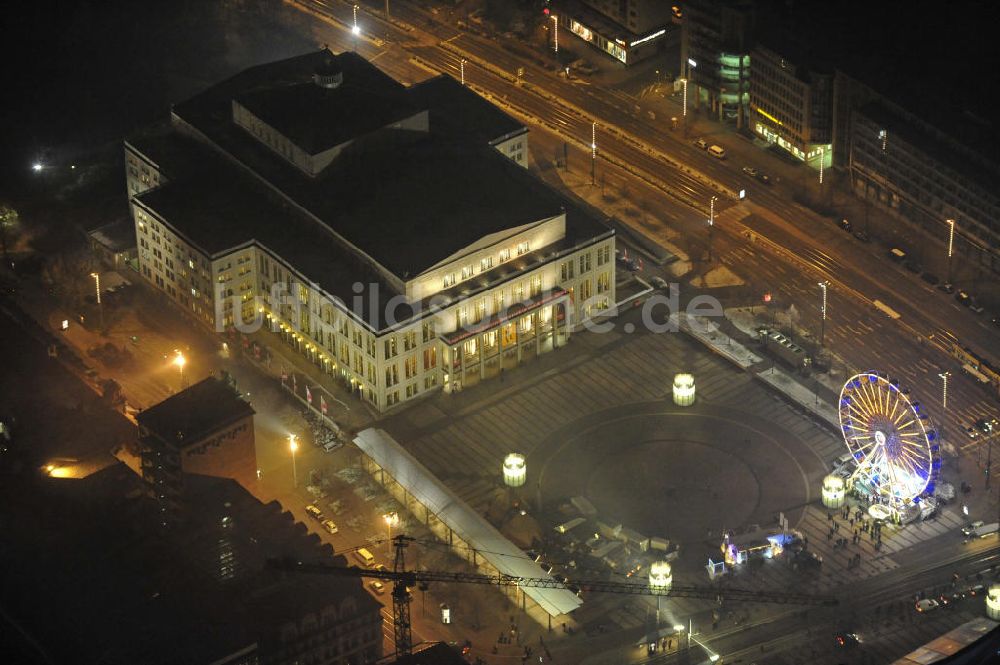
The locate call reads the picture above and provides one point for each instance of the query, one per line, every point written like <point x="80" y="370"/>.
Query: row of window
<point x="485" y="264"/>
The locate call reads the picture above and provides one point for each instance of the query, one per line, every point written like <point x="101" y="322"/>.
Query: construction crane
<point x="403" y="580"/>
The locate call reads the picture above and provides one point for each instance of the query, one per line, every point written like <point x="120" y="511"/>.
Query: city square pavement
<point x="597" y="419"/>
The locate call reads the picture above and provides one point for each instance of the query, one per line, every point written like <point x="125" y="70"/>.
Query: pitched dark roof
<point x="194" y="412"/>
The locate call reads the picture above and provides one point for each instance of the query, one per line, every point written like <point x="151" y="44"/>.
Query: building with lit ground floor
<point x="468" y="534"/>
<point x="391" y="235"/>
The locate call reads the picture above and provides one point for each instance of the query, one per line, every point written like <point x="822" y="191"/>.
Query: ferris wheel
<point x="896" y="452"/>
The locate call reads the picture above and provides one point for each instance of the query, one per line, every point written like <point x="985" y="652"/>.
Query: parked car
<point x="330" y="526"/>
<point x="862" y="236"/>
<point x="845" y="225"/>
<point x="377" y="587"/>
<point x="986" y="426"/>
<point x="750" y="171"/>
<point x="970" y="527"/>
<point x="927" y="605"/>
<point x="963" y="298"/>
<point x="947" y="287"/>
<point x="314" y="512"/>
<point x="701" y="143"/>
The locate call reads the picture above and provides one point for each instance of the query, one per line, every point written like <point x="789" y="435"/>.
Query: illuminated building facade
<point x="390" y="235"/>
<point x="716" y="40"/>
<point x="627" y="30"/>
<point x="791" y="106"/>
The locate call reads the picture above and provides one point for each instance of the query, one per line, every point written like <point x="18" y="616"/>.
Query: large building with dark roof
<point x="392" y="235"/>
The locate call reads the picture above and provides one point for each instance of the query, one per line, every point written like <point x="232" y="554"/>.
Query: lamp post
<point x="822" y="329"/>
<point x="180" y="361"/>
<point x="951" y="245"/>
<point x="711" y="224"/>
<point x="391" y="520"/>
<point x="355" y="30"/>
<point x="293" y="445"/>
<point x="593" y="151"/>
<point x="461" y="67"/>
<point x="97" y="290"/>
<point x="684" y="82"/>
<point x="822" y="160"/>
<point x="555" y="33"/>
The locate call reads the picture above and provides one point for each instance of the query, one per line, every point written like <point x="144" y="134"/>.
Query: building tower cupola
<point x="328" y="75"/>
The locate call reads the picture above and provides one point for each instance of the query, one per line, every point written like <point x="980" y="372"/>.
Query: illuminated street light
<point x="822" y="159"/>
<point x="179" y="360"/>
<point x="391" y="520"/>
<point x="593" y="150"/>
<point x="355" y="30"/>
<point x="711" y="224"/>
<point x="97" y="288"/>
<point x="293" y="445"/>
<point x="36" y="167"/>
<point x="822" y="330"/>
<point x="555" y="33"/>
<point x="461" y="66"/>
<point x="951" y="245"/>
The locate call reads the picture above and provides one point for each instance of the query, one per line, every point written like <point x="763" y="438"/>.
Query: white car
<point x="377" y="587"/>
<point x="330" y="526"/>
<point x="927" y="604"/>
<point x="750" y="171"/>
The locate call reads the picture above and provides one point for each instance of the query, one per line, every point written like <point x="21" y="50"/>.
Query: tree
<point x="8" y="220"/>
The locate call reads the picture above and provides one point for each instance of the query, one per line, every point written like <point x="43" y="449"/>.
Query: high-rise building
<point x="391" y="235"/>
<point x="791" y="105"/>
<point x="716" y="40"/>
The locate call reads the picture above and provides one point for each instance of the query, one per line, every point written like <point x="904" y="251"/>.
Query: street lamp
<point x="36" y="167"/>
<point x="180" y="361"/>
<point x="951" y="245"/>
<point x="293" y="445"/>
<point x="391" y="520"/>
<point x="822" y="160"/>
<point x="593" y="151"/>
<point x="711" y="224"/>
<point x="461" y="66"/>
<point x="822" y="330"/>
<point x="97" y="288"/>
<point x="355" y="30"/>
<point x="555" y="33"/>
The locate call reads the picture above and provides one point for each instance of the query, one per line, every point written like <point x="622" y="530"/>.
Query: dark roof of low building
<point x="116" y="236"/>
<point x="195" y="412"/>
<point x="459" y="111"/>
<point x="88" y="574"/>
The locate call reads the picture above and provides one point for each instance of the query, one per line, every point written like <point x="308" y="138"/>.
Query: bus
<point x="885" y="309"/>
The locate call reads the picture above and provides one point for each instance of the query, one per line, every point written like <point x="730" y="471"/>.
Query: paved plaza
<point x="603" y="425"/>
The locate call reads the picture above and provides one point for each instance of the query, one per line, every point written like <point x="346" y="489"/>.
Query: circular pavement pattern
<point x="675" y="472"/>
